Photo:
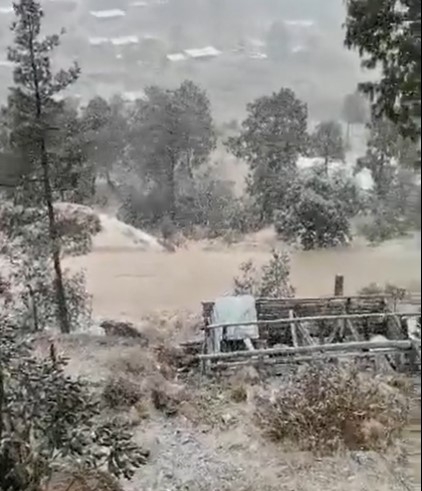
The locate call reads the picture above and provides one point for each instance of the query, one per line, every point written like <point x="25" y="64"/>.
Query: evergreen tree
<point x="387" y="34"/>
<point x="31" y="103"/>
<point x="273" y="136"/>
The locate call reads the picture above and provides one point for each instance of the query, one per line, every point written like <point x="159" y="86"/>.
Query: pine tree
<point x="387" y="34"/>
<point x="31" y="101"/>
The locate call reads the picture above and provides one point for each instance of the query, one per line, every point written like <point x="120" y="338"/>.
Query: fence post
<point x="339" y="286"/>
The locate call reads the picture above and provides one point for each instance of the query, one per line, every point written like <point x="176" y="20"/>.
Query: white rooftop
<point x="258" y="56"/>
<point x="208" y="51"/>
<point x="124" y="40"/>
<point x="176" y="57"/>
<point x="6" y="64"/>
<point x="98" y="41"/>
<point x="139" y="3"/>
<point x="108" y="14"/>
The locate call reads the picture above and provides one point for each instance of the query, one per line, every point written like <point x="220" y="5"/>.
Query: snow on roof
<point x="202" y="53"/>
<point x="6" y="10"/>
<point x="139" y="4"/>
<point x="107" y="14"/>
<point x="176" y="57"/>
<point x="98" y="41"/>
<point x="124" y="40"/>
<point x="258" y="56"/>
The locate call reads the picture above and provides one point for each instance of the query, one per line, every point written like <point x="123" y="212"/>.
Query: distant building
<point x="258" y="56"/>
<point x="124" y="40"/>
<point x="174" y="57"/>
<point x="203" y="53"/>
<point x="108" y="14"/>
<point x="139" y="4"/>
<point x="98" y="41"/>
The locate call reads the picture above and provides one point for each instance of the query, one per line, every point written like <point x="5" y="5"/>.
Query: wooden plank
<point x="353" y="330"/>
<point x="334" y="333"/>
<point x="303" y="359"/>
<point x="339" y="286"/>
<point x="328" y="348"/>
<point x="369" y="296"/>
<point x="305" y="335"/>
<point x="287" y="321"/>
<point x="396" y="327"/>
<point x="293" y="329"/>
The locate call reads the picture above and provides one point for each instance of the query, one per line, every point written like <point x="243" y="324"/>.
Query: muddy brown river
<point x="130" y="282"/>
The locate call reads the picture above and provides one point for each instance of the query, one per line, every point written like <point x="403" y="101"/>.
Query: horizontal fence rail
<point x="395" y="345"/>
<point x="297" y="320"/>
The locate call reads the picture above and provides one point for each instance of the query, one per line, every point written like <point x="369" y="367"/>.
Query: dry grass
<point x="86" y="480"/>
<point x="172" y="360"/>
<point x="327" y="408"/>
<point x="239" y="393"/>
<point x="167" y="397"/>
<point x="121" y="392"/>
<point x="133" y="362"/>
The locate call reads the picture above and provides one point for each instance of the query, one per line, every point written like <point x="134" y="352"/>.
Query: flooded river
<point x="130" y="282"/>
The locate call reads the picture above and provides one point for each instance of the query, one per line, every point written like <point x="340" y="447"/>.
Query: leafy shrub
<point x="273" y="279"/>
<point x="398" y="293"/>
<point x="49" y="421"/>
<point x="326" y="408"/>
<point x="384" y="225"/>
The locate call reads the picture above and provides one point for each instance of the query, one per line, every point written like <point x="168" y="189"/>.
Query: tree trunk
<point x="2" y="399"/>
<point x="62" y="311"/>
<point x="326" y="169"/>
<point x="34" y="308"/>
<point x="171" y="190"/>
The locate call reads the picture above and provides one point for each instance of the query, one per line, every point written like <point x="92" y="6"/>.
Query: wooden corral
<point x="287" y="320"/>
<point x="301" y="329"/>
